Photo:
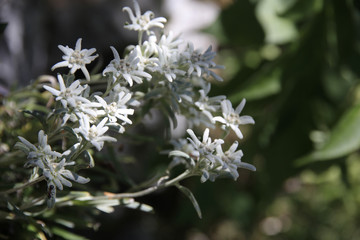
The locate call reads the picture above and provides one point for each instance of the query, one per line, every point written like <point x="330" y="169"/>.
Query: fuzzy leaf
<point x="190" y="195"/>
<point x="90" y="158"/>
<point x="177" y="153"/>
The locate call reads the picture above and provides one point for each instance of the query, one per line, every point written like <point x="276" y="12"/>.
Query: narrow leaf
<point x="90" y="158"/>
<point x="190" y="195"/>
<point x="177" y="153"/>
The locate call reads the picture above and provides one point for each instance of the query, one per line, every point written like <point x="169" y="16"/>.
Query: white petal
<point x="236" y="130"/>
<point x="240" y="107"/>
<point x="52" y="90"/>
<point x="59" y="65"/>
<point x="78" y="44"/>
<point x="246" y="120"/>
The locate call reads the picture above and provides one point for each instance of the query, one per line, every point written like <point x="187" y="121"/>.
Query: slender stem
<point x="149" y="190"/>
<point x="140" y="37"/>
<point x="36" y="180"/>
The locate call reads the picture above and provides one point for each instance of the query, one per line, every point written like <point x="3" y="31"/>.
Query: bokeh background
<point x="297" y="62"/>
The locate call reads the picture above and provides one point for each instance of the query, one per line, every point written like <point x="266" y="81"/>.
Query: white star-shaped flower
<point x="231" y="118"/>
<point x="57" y="174"/>
<point x="206" y="147"/>
<point x="143" y="22"/>
<point x="114" y="111"/>
<point x="94" y="134"/>
<point x="201" y="63"/>
<point x="68" y="95"/>
<point x="128" y="68"/>
<point x="76" y="58"/>
<point x="167" y="65"/>
<point x="38" y="154"/>
<point x="207" y="105"/>
<point x="231" y="160"/>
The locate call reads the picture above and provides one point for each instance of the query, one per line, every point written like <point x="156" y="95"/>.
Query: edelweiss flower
<point x="200" y="63"/>
<point x="68" y="95"/>
<point x="143" y="22"/>
<point x="76" y="59"/>
<point x="127" y="68"/>
<point x="231" y="118"/>
<point x="207" y="159"/>
<point x="113" y="111"/>
<point x="94" y="134"/>
<point x="205" y="147"/>
<point x="37" y="155"/>
<point x="169" y="43"/>
<point x="206" y="104"/>
<point x="231" y="160"/>
<point x="146" y="57"/>
<point x="57" y="174"/>
<point x="167" y="65"/>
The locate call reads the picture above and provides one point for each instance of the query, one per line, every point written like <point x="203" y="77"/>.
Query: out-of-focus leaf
<point x="278" y="30"/>
<point x="301" y="9"/>
<point x="41" y="116"/>
<point x="192" y="198"/>
<point x="261" y="87"/>
<point x="246" y="33"/>
<point x="21" y="146"/>
<point x="344" y="139"/>
<point x="66" y="234"/>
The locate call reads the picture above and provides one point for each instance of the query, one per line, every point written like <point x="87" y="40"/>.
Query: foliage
<point x="297" y="63"/>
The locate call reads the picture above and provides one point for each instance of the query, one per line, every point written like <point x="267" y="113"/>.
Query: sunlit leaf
<point x="344" y="139"/>
<point x="266" y="85"/>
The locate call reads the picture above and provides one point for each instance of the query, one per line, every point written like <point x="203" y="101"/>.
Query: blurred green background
<point x="297" y="62"/>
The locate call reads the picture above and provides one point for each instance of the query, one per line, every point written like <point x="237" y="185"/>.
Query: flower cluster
<point x="159" y="73"/>
<point x="207" y="158"/>
<point x="51" y="163"/>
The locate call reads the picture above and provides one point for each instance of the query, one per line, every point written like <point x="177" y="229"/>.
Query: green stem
<point x="147" y="191"/>
<point x="140" y="37"/>
<point x="36" y="180"/>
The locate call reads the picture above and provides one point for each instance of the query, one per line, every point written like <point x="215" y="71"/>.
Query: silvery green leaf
<point x="70" y="152"/>
<point x="89" y="157"/>
<point x="177" y="153"/>
<point x="57" y="111"/>
<point x="190" y="195"/>
<point x="247" y="166"/>
<point x="75" y="177"/>
<point x="70" y="130"/>
<point x="21" y="146"/>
